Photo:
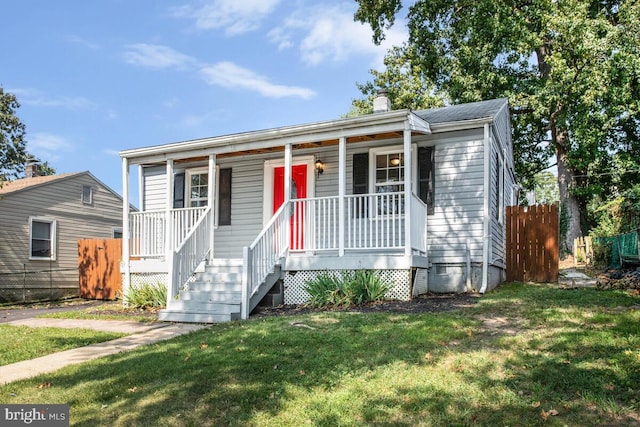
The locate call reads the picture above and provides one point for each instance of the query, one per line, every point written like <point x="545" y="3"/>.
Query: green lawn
<point x="523" y="356"/>
<point x="109" y="311"/>
<point x="20" y="343"/>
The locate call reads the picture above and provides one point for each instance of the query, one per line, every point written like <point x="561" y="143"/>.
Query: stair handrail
<point x="261" y="257"/>
<point x="189" y="254"/>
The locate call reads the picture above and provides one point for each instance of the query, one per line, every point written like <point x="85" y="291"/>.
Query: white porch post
<point x="342" y="179"/>
<point x="287" y="172"/>
<point x="168" y="234"/>
<point x="287" y="183"/>
<point x="124" y="266"/>
<point x="408" y="161"/>
<point x="210" y="202"/>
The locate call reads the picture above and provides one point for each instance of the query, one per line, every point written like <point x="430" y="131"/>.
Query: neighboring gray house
<point x="41" y="220"/>
<point x="417" y="195"/>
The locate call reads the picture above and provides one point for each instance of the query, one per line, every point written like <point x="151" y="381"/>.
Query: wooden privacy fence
<point x="99" y="268"/>
<point x="532" y="243"/>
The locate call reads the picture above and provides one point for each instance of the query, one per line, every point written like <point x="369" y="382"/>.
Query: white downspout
<point x="124" y="265"/>
<point x="486" y="213"/>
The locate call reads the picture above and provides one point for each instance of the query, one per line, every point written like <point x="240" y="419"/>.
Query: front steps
<point x="214" y="296"/>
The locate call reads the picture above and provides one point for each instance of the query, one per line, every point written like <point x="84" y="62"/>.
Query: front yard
<point x="522" y="355"/>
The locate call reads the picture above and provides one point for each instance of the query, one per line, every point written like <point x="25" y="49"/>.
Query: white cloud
<point x="228" y="74"/>
<point x="37" y="98"/>
<point x="83" y="42"/>
<point x="233" y="16"/>
<point x="329" y="34"/>
<point x="157" y="56"/>
<point x="47" y="147"/>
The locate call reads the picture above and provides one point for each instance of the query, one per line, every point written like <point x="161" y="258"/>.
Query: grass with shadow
<point x="20" y="343"/>
<point x="554" y="357"/>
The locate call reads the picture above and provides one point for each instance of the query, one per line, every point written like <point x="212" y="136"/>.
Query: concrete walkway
<point x="140" y="334"/>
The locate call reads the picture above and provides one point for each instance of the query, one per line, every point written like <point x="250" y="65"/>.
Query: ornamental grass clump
<point x="355" y="288"/>
<point x="146" y="296"/>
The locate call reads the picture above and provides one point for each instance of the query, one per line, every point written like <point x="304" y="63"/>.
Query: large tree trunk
<point x="568" y="202"/>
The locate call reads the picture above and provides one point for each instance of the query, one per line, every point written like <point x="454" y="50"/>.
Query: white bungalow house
<point x="417" y="195"/>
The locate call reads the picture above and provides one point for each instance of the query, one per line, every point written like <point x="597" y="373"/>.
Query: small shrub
<point x="351" y="288"/>
<point x="147" y="296"/>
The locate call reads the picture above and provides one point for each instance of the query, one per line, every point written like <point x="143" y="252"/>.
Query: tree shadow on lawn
<point x="353" y="368"/>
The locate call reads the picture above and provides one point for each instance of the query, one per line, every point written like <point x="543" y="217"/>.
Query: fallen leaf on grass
<point x="535" y="404"/>
<point x="132" y="389"/>
<point x="609" y="387"/>
<point x="546" y="414"/>
<point x="302" y="372"/>
<point x="44" y="385"/>
<point x="203" y="345"/>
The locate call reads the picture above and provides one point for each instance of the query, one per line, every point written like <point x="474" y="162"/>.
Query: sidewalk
<point x="140" y="334"/>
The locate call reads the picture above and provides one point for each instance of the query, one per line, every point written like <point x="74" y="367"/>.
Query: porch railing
<point x="149" y="230"/>
<point x="261" y="257"/>
<point x="418" y="225"/>
<point x="372" y="221"/>
<point x="190" y="253"/>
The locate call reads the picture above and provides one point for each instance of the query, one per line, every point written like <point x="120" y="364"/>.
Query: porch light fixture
<point x="319" y="167"/>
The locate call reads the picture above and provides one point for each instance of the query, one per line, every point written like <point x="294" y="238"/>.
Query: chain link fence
<point x="38" y="285"/>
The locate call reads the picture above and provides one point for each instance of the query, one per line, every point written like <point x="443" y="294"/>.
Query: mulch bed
<point x="430" y="303"/>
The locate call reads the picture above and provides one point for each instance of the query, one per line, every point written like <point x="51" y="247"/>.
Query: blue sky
<point x="96" y="77"/>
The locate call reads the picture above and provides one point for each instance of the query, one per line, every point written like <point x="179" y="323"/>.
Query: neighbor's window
<point x="116" y="233"/>
<point x="87" y="194"/>
<point x="42" y="239"/>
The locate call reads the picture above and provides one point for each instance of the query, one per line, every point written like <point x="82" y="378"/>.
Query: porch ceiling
<point x="373" y="127"/>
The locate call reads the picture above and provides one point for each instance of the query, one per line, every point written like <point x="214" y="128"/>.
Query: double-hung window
<point x="42" y="238"/>
<point x="388" y="166"/>
<point x="198" y="187"/>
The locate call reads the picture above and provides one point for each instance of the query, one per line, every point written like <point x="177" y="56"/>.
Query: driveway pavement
<point x="139" y="334"/>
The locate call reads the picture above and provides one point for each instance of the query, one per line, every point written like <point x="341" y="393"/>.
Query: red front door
<point x="298" y="191"/>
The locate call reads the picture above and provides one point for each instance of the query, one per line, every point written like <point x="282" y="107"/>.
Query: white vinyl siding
<point x="154" y="185"/>
<point x="459" y="182"/>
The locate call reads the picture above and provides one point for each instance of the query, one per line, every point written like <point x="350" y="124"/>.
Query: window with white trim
<point x="197" y="187"/>
<point x="87" y="194"/>
<point x="116" y="233"/>
<point x="387" y="166"/>
<point x="42" y="238"/>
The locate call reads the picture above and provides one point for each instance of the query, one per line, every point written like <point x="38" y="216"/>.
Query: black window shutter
<point x="224" y="197"/>
<point x="361" y="181"/>
<point x="426" y="177"/>
<point x="361" y="173"/>
<point x="178" y="191"/>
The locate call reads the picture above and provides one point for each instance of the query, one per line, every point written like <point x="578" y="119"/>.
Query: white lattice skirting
<point x="139" y="279"/>
<point x="294" y="283"/>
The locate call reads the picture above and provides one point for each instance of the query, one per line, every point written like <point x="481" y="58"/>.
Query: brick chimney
<point x="32" y="170"/>
<point x="381" y="102"/>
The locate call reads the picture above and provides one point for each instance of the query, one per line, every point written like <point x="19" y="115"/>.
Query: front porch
<point x="372" y="231"/>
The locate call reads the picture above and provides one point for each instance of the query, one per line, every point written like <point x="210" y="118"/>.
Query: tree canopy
<point x="13" y="153"/>
<point x="570" y="69"/>
<point x="12" y="144"/>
